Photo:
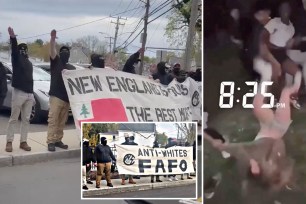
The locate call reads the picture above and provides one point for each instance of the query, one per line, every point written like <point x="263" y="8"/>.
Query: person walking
<point x="59" y="102"/>
<point x="104" y="157"/>
<point x="22" y="93"/>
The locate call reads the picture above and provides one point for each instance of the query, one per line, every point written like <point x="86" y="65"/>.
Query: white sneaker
<point x="175" y="179"/>
<point x="170" y="179"/>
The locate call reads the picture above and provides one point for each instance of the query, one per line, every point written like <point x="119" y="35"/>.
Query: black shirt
<point x="129" y="65"/>
<point x="3" y="83"/>
<point x="57" y="86"/>
<point x="22" y="70"/>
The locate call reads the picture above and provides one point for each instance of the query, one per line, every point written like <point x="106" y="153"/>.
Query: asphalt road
<point x="42" y="127"/>
<point x="52" y="182"/>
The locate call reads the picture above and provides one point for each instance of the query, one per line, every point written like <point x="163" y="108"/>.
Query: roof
<point x="137" y="127"/>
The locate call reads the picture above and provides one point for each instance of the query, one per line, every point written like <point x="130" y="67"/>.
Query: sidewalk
<point x="39" y="152"/>
<point x="144" y="183"/>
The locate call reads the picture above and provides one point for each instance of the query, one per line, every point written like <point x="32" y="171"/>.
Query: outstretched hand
<point x="11" y="32"/>
<point x="53" y="34"/>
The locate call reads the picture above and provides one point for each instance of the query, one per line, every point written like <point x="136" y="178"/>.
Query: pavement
<point x="142" y="184"/>
<point x="39" y="152"/>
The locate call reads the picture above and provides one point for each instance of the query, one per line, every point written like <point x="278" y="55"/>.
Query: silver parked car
<point x="41" y="89"/>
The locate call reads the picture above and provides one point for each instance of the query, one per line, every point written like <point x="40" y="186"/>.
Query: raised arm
<point x="52" y="45"/>
<point x="13" y="41"/>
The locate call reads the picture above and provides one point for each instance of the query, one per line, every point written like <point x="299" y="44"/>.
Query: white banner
<point x="105" y="95"/>
<point x="140" y="160"/>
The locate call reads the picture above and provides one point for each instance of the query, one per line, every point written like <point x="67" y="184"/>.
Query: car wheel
<point x="35" y="113"/>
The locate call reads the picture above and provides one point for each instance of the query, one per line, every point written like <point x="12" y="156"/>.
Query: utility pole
<point x="191" y="34"/>
<point x="118" y="23"/>
<point x="144" y="37"/>
<point x="110" y="43"/>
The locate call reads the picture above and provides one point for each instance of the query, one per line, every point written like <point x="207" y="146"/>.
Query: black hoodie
<point x="22" y="70"/>
<point x="129" y="65"/>
<point x="3" y="83"/>
<point x="162" y="75"/>
<point x="103" y="154"/>
<point x="88" y="156"/>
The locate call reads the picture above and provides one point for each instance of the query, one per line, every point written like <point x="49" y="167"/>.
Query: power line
<point x="160" y="7"/>
<point x="148" y="23"/>
<point x="69" y="28"/>
<point x="136" y="28"/>
<point x="161" y="14"/>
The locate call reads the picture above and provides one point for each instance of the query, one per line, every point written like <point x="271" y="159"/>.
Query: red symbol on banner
<point x="107" y="110"/>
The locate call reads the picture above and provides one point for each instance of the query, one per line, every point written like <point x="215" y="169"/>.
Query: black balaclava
<point x="23" y="49"/>
<point x="103" y="141"/>
<point x="176" y="68"/>
<point x="86" y="143"/>
<point x="161" y="68"/>
<point x="132" y="138"/>
<point x="64" y="54"/>
<point x="127" y="139"/>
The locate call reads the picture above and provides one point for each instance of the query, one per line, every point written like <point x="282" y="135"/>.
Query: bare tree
<point x="188" y="130"/>
<point x="92" y="43"/>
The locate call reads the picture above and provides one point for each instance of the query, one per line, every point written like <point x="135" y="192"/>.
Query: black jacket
<point x="164" y="79"/>
<point x="57" y="86"/>
<point x="129" y="65"/>
<point x="88" y="155"/>
<point x="22" y="70"/>
<point x="3" y="83"/>
<point x="104" y="154"/>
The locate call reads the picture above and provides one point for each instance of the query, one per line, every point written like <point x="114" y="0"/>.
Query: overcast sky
<point x="168" y="128"/>
<point x="34" y="17"/>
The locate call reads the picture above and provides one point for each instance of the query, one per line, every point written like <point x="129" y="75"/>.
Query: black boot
<point x="51" y="147"/>
<point x="85" y="187"/>
<point x="61" y="145"/>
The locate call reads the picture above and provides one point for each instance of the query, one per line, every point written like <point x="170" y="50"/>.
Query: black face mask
<point x="86" y="144"/>
<point x="104" y="143"/>
<point x="64" y="56"/>
<point x="24" y="52"/>
<point x="176" y="70"/>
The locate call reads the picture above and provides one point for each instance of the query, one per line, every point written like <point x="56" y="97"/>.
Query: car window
<point x="40" y="75"/>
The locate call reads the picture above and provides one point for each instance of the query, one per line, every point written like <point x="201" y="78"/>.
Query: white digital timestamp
<point x="230" y="96"/>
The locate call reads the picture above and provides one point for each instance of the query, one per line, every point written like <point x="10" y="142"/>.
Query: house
<point x="110" y="136"/>
<point x="144" y="133"/>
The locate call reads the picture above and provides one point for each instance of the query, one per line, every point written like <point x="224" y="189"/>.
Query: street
<point x="54" y="182"/>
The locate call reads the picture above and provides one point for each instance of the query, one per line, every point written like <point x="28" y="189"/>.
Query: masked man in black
<point x="59" y="102"/>
<point x="22" y="93"/>
<point x="127" y="142"/>
<point x="104" y="157"/>
<point x="88" y="157"/>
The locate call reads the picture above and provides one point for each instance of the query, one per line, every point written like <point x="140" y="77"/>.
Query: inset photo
<point x="139" y="160"/>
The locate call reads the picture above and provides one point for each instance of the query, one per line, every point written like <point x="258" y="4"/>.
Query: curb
<point x="37" y="157"/>
<point x="138" y="187"/>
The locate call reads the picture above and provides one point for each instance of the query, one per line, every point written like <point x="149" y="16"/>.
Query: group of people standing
<point x="23" y="96"/>
<point x="103" y="158"/>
